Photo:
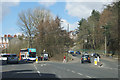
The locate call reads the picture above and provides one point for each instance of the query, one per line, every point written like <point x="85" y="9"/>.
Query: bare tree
<point x="26" y="25"/>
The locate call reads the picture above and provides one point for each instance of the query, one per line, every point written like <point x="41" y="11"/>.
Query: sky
<point x="70" y="12"/>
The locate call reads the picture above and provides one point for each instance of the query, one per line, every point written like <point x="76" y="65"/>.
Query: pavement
<point x="59" y="70"/>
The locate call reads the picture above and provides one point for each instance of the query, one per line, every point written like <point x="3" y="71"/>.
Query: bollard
<point x="98" y="59"/>
<point x="36" y="59"/>
<point x="95" y="61"/>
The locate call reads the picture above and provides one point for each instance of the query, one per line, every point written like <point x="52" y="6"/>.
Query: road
<point x="60" y="70"/>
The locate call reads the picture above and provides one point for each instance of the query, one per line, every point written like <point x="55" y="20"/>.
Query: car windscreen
<point x="32" y="54"/>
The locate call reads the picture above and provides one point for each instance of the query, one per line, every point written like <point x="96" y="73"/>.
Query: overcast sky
<point x="70" y="11"/>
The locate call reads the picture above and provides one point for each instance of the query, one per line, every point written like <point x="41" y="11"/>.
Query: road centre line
<point x="88" y="76"/>
<point x="68" y="70"/>
<point x="39" y="73"/>
<point x="79" y="73"/>
<point x="73" y="71"/>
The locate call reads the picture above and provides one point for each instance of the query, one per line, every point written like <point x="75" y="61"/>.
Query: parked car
<point x="97" y="55"/>
<point x="4" y="56"/>
<point x="78" y="52"/>
<point x="85" y="58"/>
<point x="45" y="56"/>
<point x="84" y="53"/>
<point x="12" y="58"/>
<point x="93" y="54"/>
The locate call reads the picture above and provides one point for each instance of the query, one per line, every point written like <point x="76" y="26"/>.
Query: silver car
<point x="12" y="58"/>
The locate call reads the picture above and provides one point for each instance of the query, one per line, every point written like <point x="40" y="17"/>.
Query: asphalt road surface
<point x="60" y="70"/>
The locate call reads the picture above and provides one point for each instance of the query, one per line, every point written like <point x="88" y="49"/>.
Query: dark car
<point x="78" y="52"/>
<point x="85" y="58"/>
<point x="96" y="55"/>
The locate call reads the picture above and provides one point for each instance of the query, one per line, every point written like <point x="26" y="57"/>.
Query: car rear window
<point x="13" y="55"/>
<point x="86" y="55"/>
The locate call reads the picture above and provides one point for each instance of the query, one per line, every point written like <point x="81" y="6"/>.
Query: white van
<point x="4" y="56"/>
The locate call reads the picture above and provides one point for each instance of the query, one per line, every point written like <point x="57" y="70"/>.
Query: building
<point x="4" y="41"/>
<point x="73" y="34"/>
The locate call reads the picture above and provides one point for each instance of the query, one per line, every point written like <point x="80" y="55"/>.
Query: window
<point x="32" y="54"/>
<point x="23" y="50"/>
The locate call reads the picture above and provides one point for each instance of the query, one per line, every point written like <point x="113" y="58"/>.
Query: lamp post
<point x="67" y="43"/>
<point x="103" y="27"/>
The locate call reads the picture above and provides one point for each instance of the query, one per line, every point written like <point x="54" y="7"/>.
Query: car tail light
<point x="88" y="58"/>
<point x="81" y="58"/>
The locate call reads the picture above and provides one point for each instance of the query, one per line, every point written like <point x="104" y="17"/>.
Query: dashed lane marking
<point x="79" y="73"/>
<point x="68" y="70"/>
<point x="44" y="64"/>
<point x="41" y="65"/>
<point x="39" y="73"/>
<point x="35" y="67"/>
<point x="88" y="76"/>
<point x="73" y="71"/>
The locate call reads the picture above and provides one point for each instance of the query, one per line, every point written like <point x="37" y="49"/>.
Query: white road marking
<point x="68" y="70"/>
<point x="41" y="65"/>
<point x="73" y="71"/>
<point x="79" y="73"/>
<point x="88" y="76"/>
<point x="39" y="73"/>
<point x="44" y="64"/>
<point x="12" y="65"/>
<point x="35" y="67"/>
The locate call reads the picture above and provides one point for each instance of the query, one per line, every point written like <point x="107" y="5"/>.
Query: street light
<point x="103" y="27"/>
<point x="67" y="43"/>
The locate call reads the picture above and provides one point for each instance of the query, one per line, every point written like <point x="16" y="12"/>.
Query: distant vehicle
<point x="4" y="56"/>
<point x="12" y="58"/>
<point x="71" y="52"/>
<point x="84" y="53"/>
<point x="85" y="58"/>
<point x="93" y="54"/>
<point x="78" y="52"/>
<point x="45" y="56"/>
<point x="28" y="54"/>
<point x="96" y="55"/>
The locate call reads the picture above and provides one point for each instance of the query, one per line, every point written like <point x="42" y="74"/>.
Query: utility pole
<point x="105" y="42"/>
<point x="93" y="37"/>
<point x="104" y="27"/>
<point x="68" y="44"/>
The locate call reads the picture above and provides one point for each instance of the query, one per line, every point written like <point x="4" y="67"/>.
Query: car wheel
<point x="17" y="62"/>
<point x="7" y="62"/>
<point x="89" y="61"/>
<point x="81" y="61"/>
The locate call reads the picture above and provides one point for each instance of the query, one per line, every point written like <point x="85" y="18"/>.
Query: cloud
<point x="65" y="25"/>
<point x="83" y="9"/>
<point x="47" y="3"/>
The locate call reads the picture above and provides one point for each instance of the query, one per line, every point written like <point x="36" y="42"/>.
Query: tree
<point x="25" y="23"/>
<point x="46" y="31"/>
